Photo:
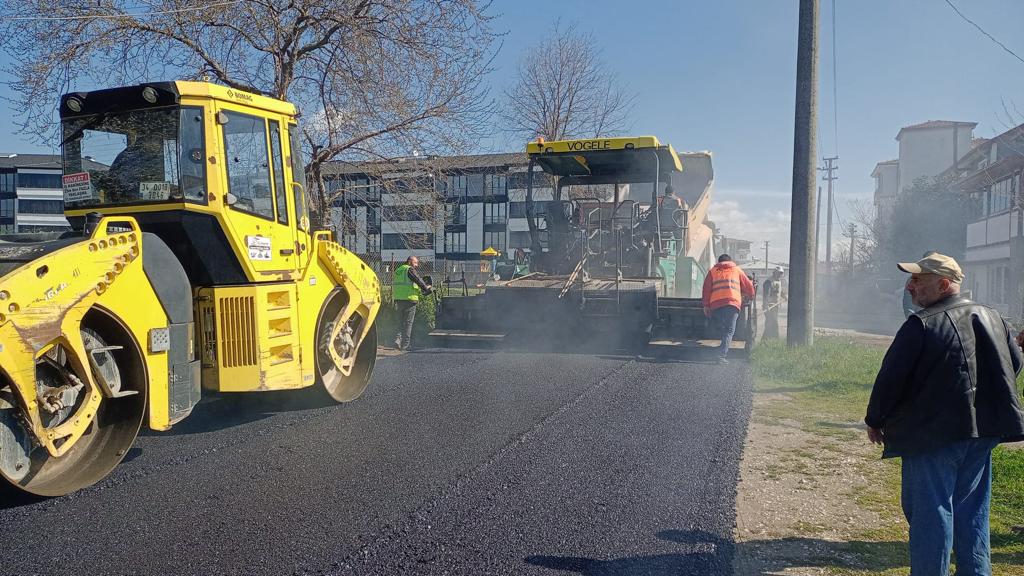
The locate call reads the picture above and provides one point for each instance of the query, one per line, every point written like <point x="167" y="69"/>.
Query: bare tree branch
<point x="564" y="90"/>
<point x="370" y="78"/>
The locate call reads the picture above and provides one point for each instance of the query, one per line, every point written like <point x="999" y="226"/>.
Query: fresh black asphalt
<point x="453" y="462"/>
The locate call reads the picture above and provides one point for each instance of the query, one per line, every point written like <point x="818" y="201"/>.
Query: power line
<point x="115" y="16"/>
<point x="982" y="30"/>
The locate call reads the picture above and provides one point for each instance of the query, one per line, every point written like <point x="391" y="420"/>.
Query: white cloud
<point x="756" y="224"/>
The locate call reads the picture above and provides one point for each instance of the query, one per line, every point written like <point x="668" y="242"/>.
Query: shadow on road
<point x="224" y="411"/>
<point x="705" y="553"/>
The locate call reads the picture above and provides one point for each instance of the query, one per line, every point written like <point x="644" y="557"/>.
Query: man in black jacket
<point x="944" y="397"/>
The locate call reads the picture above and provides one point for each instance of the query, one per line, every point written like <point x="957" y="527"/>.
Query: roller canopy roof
<point x="606" y="160"/>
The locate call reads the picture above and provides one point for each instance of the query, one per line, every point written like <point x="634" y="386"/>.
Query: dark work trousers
<point x="406" y="317"/>
<point x="725" y="320"/>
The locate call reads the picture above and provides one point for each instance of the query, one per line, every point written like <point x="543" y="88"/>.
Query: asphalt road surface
<point x="453" y="462"/>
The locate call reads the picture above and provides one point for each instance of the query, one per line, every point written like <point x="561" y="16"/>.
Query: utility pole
<point x="817" y="229"/>
<point x="800" y="330"/>
<point x="829" y="168"/>
<point x="766" y="258"/>
<point x="853" y="244"/>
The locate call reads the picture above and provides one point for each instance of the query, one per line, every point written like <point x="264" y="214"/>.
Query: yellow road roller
<point x="190" y="265"/>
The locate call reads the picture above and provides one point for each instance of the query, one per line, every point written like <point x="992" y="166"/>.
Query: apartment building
<point x="994" y="263"/>
<point x="447" y="210"/>
<point x="31" y="195"/>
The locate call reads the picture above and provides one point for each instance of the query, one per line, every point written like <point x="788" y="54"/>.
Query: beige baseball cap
<point x="934" y="263"/>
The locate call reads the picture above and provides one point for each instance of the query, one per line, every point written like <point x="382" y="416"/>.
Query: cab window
<point x="193" y="154"/>
<point x="298" y="177"/>
<point x="248" y="165"/>
<point x="280" y="192"/>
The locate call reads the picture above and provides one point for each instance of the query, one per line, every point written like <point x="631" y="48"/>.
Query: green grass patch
<point x="826" y="388"/>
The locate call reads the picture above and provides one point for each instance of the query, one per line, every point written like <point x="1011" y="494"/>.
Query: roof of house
<point x="30" y="161"/>
<point x="468" y="162"/>
<point x="874" y="172"/>
<point x="935" y="124"/>
<point x="969" y="178"/>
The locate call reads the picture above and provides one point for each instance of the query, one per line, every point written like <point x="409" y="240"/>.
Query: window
<point x="51" y="181"/>
<point x="409" y="213"/>
<point x="280" y="193"/>
<point x="7" y="183"/>
<point x="350" y="221"/>
<point x="518" y="180"/>
<point x="6" y="228"/>
<point x="248" y="167"/>
<point x="495" y="185"/>
<point x="134" y="156"/>
<point x="362" y="188"/>
<point x="454" y="242"/>
<point x="41" y="206"/>
<point x="999" y="287"/>
<point x="518" y="240"/>
<point x="456" y="186"/>
<point x="998" y="197"/>
<point x="41" y="228"/>
<point x="495" y="213"/>
<point x="454" y="214"/>
<point x="407" y="241"/>
<point x="475" y="185"/>
<point x="495" y="240"/>
<point x="373" y="243"/>
<point x="392" y="242"/>
<point x="7" y="208"/>
<point x="298" y="177"/>
<point x="372" y="217"/>
<point x="192" y="154"/>
<point x="518" y="209"/>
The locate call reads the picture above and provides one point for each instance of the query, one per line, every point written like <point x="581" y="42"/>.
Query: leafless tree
<point x="565" y="90"/>
<point x="371" y="78"/>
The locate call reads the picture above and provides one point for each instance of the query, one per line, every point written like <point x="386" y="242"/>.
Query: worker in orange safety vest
<point x="725" y="287"/>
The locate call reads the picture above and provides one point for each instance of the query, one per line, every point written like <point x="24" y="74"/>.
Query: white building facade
<point x="925" y="151"/>
<point x="31" y="195"/>
<point x="994" y="264"/>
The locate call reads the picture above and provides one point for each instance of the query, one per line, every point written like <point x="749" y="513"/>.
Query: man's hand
<point x="707" y="312"/>
<point x="875" y="435"/>
<point x="1020" y="339"/>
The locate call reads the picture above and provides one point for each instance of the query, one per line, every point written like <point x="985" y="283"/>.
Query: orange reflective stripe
<point x="725" y="288"/>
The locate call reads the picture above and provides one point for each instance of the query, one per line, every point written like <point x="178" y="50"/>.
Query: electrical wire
<point x="982" y="30"/>
<point x="114" y="16"/>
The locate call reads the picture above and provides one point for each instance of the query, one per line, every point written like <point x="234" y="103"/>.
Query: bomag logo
<point x="240" y="95"/>
<point x="590" y="145"/>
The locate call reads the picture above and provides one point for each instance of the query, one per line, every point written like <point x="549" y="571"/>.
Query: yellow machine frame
<point x="301" y="315"/>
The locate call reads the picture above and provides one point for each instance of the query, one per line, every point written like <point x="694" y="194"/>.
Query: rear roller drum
<point x="331" y="378"/>
<point x="26" y="467"/>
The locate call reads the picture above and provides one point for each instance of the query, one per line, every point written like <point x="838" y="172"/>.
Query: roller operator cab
<point x="190" y="265"/>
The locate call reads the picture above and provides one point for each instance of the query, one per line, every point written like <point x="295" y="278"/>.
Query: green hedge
<point x="387" y="320"/>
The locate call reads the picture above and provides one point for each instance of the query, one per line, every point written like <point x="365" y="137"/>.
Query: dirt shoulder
<point x="809" y="503"/>
<point x="814" y="497"/>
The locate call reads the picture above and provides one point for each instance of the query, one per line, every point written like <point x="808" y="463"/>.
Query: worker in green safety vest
<point x="407" y="288"/>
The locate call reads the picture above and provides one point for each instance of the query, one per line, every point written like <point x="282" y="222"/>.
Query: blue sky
<point x="720" y="76"/>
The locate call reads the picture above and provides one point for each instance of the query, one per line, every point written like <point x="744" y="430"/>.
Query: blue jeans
<point x="945" y="497"/>
<point x="725" y="321"/>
